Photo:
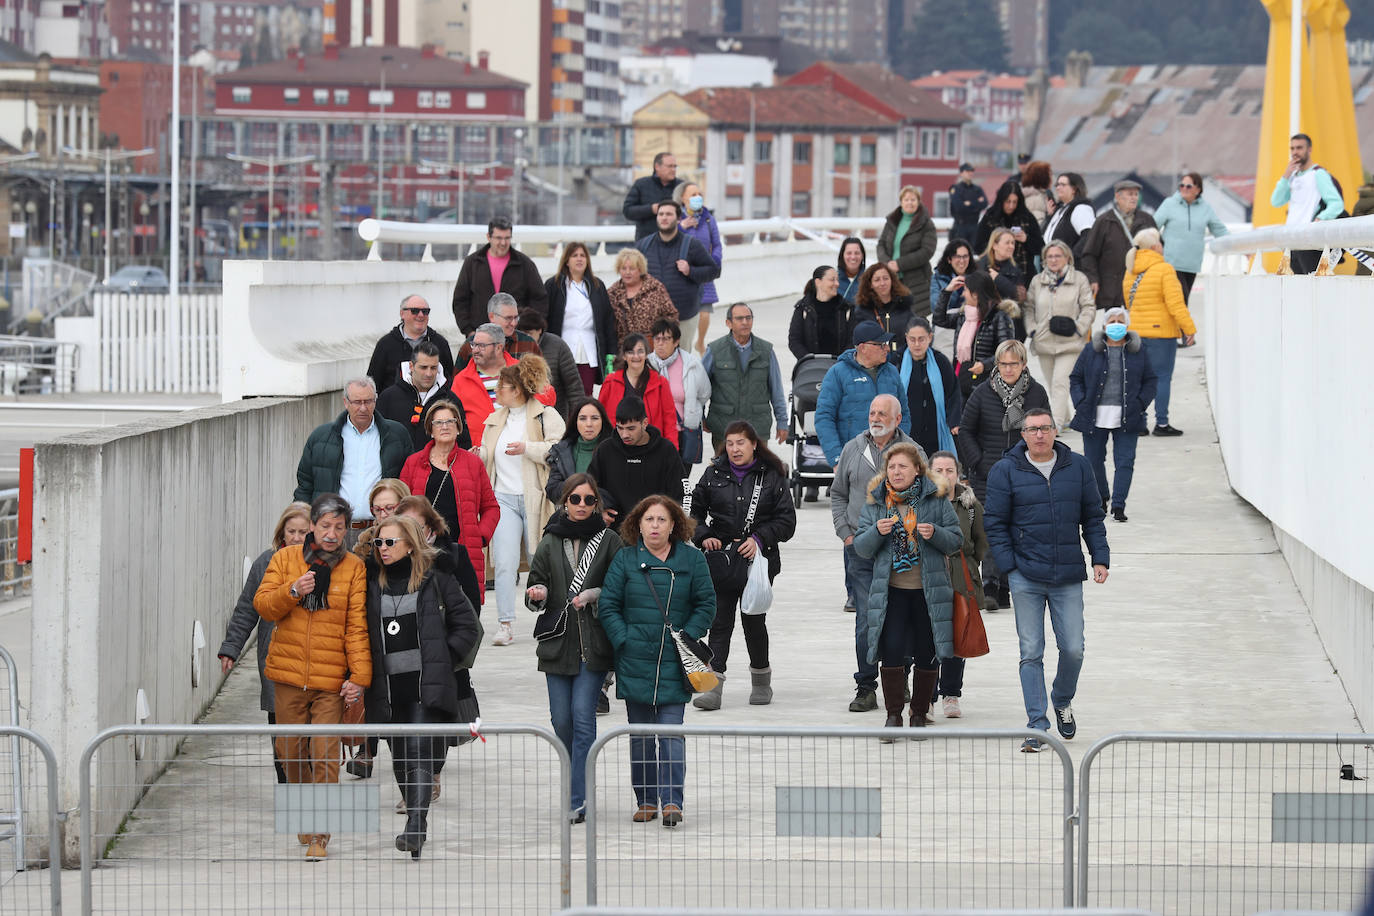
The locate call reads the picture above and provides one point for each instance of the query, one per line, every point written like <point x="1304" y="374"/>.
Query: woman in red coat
<point x="455" y="483"/>
<point x="639" y="377"/>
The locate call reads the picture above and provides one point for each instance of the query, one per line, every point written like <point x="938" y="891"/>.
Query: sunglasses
<point x="577" y="499"/>
<point x="1184" y="187"/>
<point x="386" y="542"/>
<point x="418" y="311"/>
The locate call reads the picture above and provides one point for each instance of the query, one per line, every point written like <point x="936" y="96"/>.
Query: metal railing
<point x="37" y="365"/>
<point x="1355" y="232"/>
<point x="830" y="817"/>
<point x="1217" y="824"/>
<point x="35" y="883"/>
<point x="15" y="577"/>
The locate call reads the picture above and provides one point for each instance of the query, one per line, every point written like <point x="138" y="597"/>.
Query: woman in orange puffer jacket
<point x="1159" y="314"/>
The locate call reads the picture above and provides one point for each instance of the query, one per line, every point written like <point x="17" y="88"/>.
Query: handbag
<point x="468" y="710"/>
<point x="554" y="623"/>
<point x="1064" y="326"/>
<point x="693" y="655"/>
<point x="354" y="714"/>
<point x="689" y="444"/>
<point x="970" y="638"/>
<point x="730" y="570"/>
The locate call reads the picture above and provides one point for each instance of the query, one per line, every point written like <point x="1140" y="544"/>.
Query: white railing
<point x="1355" y="232"/>
<point x="37" y="365"/>
<point x="146" y="345"/>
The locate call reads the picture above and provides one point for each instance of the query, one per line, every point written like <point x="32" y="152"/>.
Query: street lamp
<point x="462" y="169"/>
<point x="271" y="162"/>
<point x="109" y="155"/>
<point x="381" y="134"/>
<point x="517" y="175"/>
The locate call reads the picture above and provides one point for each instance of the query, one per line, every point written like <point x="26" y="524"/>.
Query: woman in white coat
<point x="682" y="370"/>
<point x="1059" y="312"/>
<point x="515" y="445"/>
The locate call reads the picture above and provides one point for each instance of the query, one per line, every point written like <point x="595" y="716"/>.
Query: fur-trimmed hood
<point x="1100" y="341"/>
<point x="1011" y="307"/>
<point x="964" y="496"/>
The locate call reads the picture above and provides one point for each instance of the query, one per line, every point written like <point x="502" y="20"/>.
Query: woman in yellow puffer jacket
<point x="1154" y="298"/>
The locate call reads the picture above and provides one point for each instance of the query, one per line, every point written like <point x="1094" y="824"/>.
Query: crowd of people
<point x="562" y="435"/>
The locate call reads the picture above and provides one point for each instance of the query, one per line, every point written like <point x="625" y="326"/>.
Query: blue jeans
<point x="1123" y="459"/>
<point x="505" y="552"/>
<point x="1066" y="617"/>
<point x="658" y="766"/>
<point x="1162" y="352"/>
<point x="860" y="571"/>
<point x="572" y="710"/>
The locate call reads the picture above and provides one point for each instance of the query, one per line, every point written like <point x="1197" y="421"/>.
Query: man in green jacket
<point x="349" y="454"/>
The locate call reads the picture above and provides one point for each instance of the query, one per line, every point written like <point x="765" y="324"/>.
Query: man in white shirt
<point x="1310" y="194"/>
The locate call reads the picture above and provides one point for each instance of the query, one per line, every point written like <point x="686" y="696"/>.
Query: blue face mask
<point x="1115" y="331"/>
<point x="695" y="201"/>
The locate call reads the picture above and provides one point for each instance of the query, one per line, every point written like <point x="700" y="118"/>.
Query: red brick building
<point x="136" y="106"/>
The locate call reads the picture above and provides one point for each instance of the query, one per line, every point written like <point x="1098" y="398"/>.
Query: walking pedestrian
<point x="972" y="550"/>
<point x="688" y="384"/>
<point x="637" y="299"/>
<point x="1009" y="211"/>
<point x="580" y="312"/>
<point x="820" y="319"/>
<point x="907" y="243"/>
<point x="1059" y="313"/>
<point x="1101" y="252"/>
<point x="932" y="390"/>
<point x="966" y="204"/>
<point x="981" y="325"/>
<point x="1310" y="195"/>
<point x="1035" y="186"/>
<point x="847" y="391"/>
<point x="700" y="223"/>
<point x="589" y="426"/>
<point x="883" y="299"/>
<point x="1071" y="212"/>
<point x="1154" y="298"/>
<point x="946" y="288"/>
<point x="649" y="190"/>
<point x="850" y="265"/>
<point x="1184" y="220"/>
<point x="634" y="376"/>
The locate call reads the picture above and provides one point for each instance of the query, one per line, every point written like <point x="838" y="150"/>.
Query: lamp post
<point x="518" y="162"/>
<point x="381" y="134"/>
<point x="462" y="169"/>
<point x="109" y="155"/>
<point x="271" y="162"/>
<point x="87" y="209"/>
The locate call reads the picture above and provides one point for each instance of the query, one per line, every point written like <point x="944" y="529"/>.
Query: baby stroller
<point x="809" y="467"/>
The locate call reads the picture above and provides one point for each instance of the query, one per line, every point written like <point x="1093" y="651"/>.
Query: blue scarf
<point x="937" y="391"/>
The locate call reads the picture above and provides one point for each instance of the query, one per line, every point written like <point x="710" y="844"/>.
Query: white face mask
<point x="878" y="431"/>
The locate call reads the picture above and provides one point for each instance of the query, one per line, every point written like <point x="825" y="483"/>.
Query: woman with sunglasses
<point x="1183" y="220"/>
<point x="564" y="586"/>
<point x="420" y="626"/>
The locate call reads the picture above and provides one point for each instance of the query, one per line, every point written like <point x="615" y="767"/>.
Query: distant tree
<point x="953" y="35"/>
<point x="1124" y="32"/>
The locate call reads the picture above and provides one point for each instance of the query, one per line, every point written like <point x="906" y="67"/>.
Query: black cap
<point x="870" y="332"/>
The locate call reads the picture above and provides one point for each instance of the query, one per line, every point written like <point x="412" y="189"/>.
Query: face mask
<point x="1115" y="331"/>
<point x="695" y="201"/>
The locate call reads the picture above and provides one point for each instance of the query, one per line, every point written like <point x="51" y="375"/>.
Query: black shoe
<point x="1119" y="513"/>
<point x="813" y="494"/>
<point x="1065" y="721"/>
<point x="865" y="699"/>
<point x="1167" y="430"/>
<point x="1106" y="506"/>
<point x="1003" y="597"/>
<point x="578" y="817"/>
<point x="603" y="704"/>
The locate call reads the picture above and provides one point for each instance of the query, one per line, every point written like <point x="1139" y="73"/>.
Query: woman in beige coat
<point x="515" y="445"/>
<point x="1059" y="312"/>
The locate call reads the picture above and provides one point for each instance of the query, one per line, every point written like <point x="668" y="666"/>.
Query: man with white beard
<point x="860" y="460"/>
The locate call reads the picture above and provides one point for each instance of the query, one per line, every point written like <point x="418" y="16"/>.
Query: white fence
<point x="146" y="344"/>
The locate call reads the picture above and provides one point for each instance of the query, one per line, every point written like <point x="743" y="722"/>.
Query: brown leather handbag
<point x="970" y="638"/>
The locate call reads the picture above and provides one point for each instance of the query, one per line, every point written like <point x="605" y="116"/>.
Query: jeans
<point x="1162" y="352"/>
<point x="1123" y="458"/>
<point x="861" y="575"/>
<point x="951" y="679"/>
<point x="658" y="766"/>
<point x="1066" y="617"/>
<point x="907" y="631"/>
<point x="723" y="627"/>
<point x="572" y="710"/>
<point x="505" y="552"/>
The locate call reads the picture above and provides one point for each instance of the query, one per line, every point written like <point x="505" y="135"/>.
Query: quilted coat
<point x="316" y="650"/>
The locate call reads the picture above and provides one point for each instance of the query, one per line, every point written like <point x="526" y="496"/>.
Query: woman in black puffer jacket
<point x="820" y="319"/>
<point x="720" y="505"/>
<point x="975" y="348"/>
<point x="1008" y="211"/>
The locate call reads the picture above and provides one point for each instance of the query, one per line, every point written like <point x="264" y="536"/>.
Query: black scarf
<point x="320" y="564"/>
<point x="563" y="527"/>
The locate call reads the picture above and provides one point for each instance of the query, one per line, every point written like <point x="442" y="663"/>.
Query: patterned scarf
<point x="1013" y="399"/>
<point x="902" y="506"/>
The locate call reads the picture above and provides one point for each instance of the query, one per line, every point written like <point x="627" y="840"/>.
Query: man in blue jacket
<point x="1033" y="532"/>
<point x="850" y="386"/>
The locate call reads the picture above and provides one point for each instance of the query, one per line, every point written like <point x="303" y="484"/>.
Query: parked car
<point x="138" y="279"/>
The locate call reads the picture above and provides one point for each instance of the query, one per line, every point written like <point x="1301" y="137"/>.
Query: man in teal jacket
<point x="1310" y="194"/>
<point x="850" y="386"/>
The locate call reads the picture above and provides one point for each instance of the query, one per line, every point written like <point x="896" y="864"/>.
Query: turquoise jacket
<point x="1183" y="226"/>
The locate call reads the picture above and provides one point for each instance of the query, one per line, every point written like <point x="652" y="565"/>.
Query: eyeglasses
<point x="1011" y="365"/>
<point x="499" y="238"/>
<point x="445" y="423"/>
<point x="506" y="317"/>
<point x="366" y="402"/>
<point x="386" y="542"/>
<point x="418" y="311"/>
<point x="483" y="346"/>
<point x="962" y="256"/>
<point x="383" y="510"/>
<point x="577" y="499"/>
<point x="1061" y="183"/>
<point x="741" y="318"/>
<point x="1037" y="430"/>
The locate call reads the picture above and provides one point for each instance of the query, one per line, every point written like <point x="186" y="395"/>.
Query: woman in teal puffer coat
<point x="908" y="528"/>
<point x="658" y="572"/>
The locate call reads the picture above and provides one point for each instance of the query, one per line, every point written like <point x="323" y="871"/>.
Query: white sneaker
<point x="951" y="707"/>
<point x="504" y="636"/>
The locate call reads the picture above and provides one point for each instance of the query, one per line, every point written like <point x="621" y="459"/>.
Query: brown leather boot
<point x="893" y="681"/>
<point x="922" y="686"/>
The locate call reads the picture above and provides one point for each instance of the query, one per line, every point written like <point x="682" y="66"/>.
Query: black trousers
<point x="416" y="751"/>
<point x="723" y="627"/>
<point x="907" y="632"/>
<point x="1185" y="279"/>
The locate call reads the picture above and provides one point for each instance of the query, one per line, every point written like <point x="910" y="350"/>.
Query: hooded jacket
<point x="803" y="333"/>
<point x="918" y="247"/>
<point x="474" y="287"/>
<point x="846" y="393"/>
<point x="981" y="439"/>
<point x="1158" y="308"/>
<point x="658" y="400"/>
<point x="394" y="349"/>
<point x="1089" y="378"/>
<point x="1183" y="226"/>
<point x="478" y="511"/>
<point x="720" y="504"/>
<point x="628" y="473"/>
<point x="1038" y="527"/>
<point x="316" y="650"/>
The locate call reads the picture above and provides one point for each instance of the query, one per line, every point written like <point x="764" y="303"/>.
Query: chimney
<point x="467" y="66"/>
<point x="426" y="51"/>
<point x="331" y="51"/>
<point x="300" y="61"/>
<point x="1076" y="67"/>
<point x="483" y="58"/>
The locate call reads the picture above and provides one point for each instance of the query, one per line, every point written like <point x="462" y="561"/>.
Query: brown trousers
<point x="309" y="759"/>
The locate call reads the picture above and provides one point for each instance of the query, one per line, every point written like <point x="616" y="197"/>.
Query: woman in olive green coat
<point x="565" y="575"/>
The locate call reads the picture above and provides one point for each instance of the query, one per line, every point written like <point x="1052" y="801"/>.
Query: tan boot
<point x="318" y="842"/>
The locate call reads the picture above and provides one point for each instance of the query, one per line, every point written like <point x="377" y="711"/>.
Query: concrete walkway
<point x="1199" y="628"/>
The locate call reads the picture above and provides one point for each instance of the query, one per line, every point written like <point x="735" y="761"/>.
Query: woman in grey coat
<point x="908" y="528"/>
<point x="292" y="528"/>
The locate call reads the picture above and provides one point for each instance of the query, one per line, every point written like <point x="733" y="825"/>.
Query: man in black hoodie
<point x="635" y="463"/>
<point x="396" y="349"/>
<point x="406" y="401"/>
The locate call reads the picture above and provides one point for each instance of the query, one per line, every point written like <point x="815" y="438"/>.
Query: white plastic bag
<point x="758" y="591"/>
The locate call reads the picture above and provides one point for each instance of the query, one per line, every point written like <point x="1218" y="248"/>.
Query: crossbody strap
<point x="1130" y="301"/>
<point x="753" y="508"/>
<point x="585" y="564"/>
<point x="657" y="600"/>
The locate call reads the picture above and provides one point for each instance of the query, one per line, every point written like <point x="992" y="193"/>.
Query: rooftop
<point x="414" y="67"/>
<point x="790" y="107"/>
<point x="888" y="91"/>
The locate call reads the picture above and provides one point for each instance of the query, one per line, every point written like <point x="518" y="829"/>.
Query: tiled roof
<point x="889" y="89"/>
<point x="786" y="107"/>
<point x="363" y="65"/>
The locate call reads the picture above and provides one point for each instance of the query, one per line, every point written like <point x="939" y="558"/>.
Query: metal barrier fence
<point x="11" y="769"/>
<point x="15" y="577"/>
<point x="215" y="830"/>
<point x="1219" y="824"/>
<point x="831" y="817"/>
<point x="846" y="911"/>
<point x="28" y="831"/>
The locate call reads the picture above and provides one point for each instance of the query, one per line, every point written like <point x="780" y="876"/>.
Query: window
<point x="424" y="99"/>
<point x="441" y="198"/>
<point x="475" y="101"/>
<point x="291" y="96"/>
<point x="443" y="99"/>
<point x="378" y="97"/>
<point x="930" y="143"/>
<point x="842" y="158"/>
<point x="763" y="151"/>
<point x="734" y="151"/>
<point x="734" y="206"/>
<point x="801" y="203"/>
<point x="243" y="94"/>
<point x="594" y="36"/>
<point x="908" y="142"/>
<point x="763" y="206"/>
<point x="474" y="134"/>
<point x="340" y="96"/>
<point x="868" y="154"/>
<point x="135" y="25"/>
<point x="801" y="152"/>
<point x="321" y="96"/>
<point x="841" y="206"/>
<point x="951" y="143"/>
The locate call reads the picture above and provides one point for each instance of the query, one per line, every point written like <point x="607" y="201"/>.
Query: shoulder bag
<point x="693" y="655"/>
<point x="970" y="637"/>
<point x="553" y="623"/>
<point x="730" y="570"/>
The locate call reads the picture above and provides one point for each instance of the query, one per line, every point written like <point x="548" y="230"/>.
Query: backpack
<point x="1344" y="214"/>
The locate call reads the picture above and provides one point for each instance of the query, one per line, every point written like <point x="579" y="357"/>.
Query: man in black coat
<point x="966" y="204"/>
<point x="405" y="402"/>
<point x="634" y="463"/>
<point x="395" y="349"/>
<point x="649" y="190"/>
<point x="496" y="267"/>
<point x="680" y="263"/>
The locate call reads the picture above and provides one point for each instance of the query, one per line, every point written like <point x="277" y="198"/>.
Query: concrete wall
<point x="139" y="535"/>
<point x="1286" y="371"/>
<point x="301" y="327"/>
